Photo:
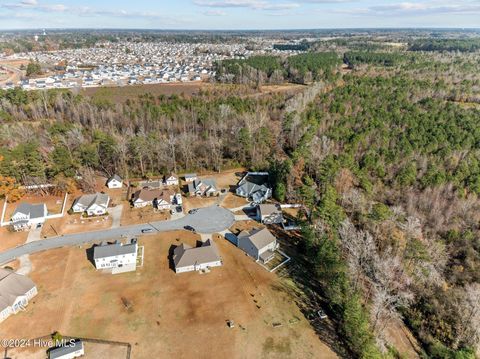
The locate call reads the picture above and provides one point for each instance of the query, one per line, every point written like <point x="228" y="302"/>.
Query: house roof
<point x="202" y="185"/>
<point x="87" y="200"/>
<point x="115" y="177"/>
<point x="114" y="249"/>
<point x="185" y="256"/>
<point x="259" y="237"/>
<point x="190" y="175"/>
<point x="148" y="195"/>
<point x="35" y="210"/>
<point x="12" y="285"/>
<point x="59" y="352"/>
<point x="269" y="208"/>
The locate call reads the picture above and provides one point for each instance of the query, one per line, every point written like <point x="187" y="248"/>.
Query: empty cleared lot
<point x="163" y="314"/>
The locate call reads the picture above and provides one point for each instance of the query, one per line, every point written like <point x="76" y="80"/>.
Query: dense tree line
<point x="390" y="174"/>
<point x="257" y="70"/>
<point x="462" y="45"/>
<point x="374" y="58"/>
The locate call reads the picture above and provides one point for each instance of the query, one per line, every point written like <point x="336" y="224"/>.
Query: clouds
<point x="249" y="4"/>
<point x="239" y="14"/>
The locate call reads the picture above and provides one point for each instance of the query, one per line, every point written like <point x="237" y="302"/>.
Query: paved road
<point x="206" y="220"/>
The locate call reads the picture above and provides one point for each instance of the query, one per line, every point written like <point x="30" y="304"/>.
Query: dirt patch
<point x="131" y="215"/>
<point x="11" y="239"/>
<point x="74" y="223"/>
<point x="168" y="310"/>
<point x="198" y="202"/>
<point x="245" y="226"/>
<point x="233" y="201"/>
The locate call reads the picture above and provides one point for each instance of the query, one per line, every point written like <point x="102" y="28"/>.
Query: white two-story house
<point x="27" y="215"/>
<point x="117" y="257"/>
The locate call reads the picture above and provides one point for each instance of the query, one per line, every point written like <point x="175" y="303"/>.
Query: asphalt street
<point x="206" y="220"/>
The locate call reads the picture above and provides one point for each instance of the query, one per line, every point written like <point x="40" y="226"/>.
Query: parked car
<point x="189" y="228"/>
<point x="147" y="230"/>
<point x="192" y="211"/>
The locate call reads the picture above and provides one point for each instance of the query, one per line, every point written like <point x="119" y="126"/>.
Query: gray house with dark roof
<point x="259" y="244"/>
<point x="254" y="186"/>
<point x="27" y="215"/>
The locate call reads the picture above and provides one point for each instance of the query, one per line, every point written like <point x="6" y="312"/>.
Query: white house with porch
<point x="28" y="215"/>
<point x="116" y="257"/>
<point x="95" y="204"/>
<point x="16" y="291"/>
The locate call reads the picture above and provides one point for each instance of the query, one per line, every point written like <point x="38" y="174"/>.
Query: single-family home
<point x="203" y="187"/>
<point x="188" y="259"/>
<point x="115" y="181"/>
<point x="270" y="213"/>
<point x="95" y="204"/>
<point x="254" y="186"/>
<point x="190" y="177"/>
<point x="171" y="180"/>
<point x="160" y="199"/>
<point x="16" y="290"/>
<point x="259" y="244"/>
<point x="69" y="350"/>
<point x="27" y="215"/>
<point x="117" y="256"/>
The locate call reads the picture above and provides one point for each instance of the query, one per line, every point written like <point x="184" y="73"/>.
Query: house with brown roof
<point x="16" y="290"/>
<point x="188" y="259"/>
<point x="158" y="198"/>
<point x="259" y="244"/>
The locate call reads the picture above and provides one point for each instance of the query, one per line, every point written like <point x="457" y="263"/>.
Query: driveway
<point x="206" y="220"/>
<point x="116" y="213"/>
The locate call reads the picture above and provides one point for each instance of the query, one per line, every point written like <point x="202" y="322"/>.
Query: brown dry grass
<point x="173" y="315"/>
<point x="198" y="202"/>
<point x="10" y="239"/>
<point x="74" y="223"/>
<point x="233" y="201"/>
<point x="131" y="215"/>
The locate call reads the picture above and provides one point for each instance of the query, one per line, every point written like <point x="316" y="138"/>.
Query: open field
<point x="131" y="215"/>
<point x="169" y="315"/>
<point x="121" y="94"/>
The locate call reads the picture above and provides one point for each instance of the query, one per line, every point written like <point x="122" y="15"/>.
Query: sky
<point x="238" y="14"/>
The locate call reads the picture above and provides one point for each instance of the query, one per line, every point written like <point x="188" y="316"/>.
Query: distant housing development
<point x="116" y="256"/>
<point x="27" y="215"/>
<point x="16" y="290"/>
<point x="187" y="259"/>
